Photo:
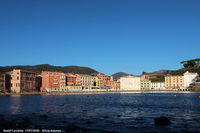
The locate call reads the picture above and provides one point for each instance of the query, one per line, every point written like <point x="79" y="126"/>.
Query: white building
<point x="189" y="78"/>
<point x="157" y="85"/>
<point x="130" y="83"/>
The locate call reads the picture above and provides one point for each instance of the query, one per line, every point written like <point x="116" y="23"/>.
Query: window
<point x="17" y="78"/>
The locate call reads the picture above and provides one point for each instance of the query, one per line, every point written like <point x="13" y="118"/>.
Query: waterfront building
<point x="70" y="79"/>
<point x="23" y="81"/>
<point x="8" y="82"/>
<point x="2" y="82"/>
<point x="130" y="83"/>
<point x="145" y="84"/>
<point x="87" y="81"/>
<point x="98" y="82"/>
<point x="157" y="85"/>
<point x="189" y="78"/>
<point x="78" y="79"/>
<point x="63" y="85"/>
<point x="104" y="78"/>
<point x="174" y="82"/>
<point x="118" y="84"/>
<point x="38" y="82"/>
<point x="50" y="81"/>
<point x="73" y="82"/>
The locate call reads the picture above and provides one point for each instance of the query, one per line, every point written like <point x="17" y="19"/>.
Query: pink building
<point x="104" y="78"/>
<point x="22" y="81"/>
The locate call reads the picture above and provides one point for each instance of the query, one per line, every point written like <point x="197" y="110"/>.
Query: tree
<point x="191" y="63"/>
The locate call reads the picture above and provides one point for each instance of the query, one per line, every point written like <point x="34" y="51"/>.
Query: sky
<point x="110" y="36"/>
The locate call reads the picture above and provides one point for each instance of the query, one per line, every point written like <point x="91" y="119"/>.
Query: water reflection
<point x="109" y="112"/>
<point x="15" y="104"/>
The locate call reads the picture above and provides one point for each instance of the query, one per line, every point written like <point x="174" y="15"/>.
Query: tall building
<point x="189" y="78"/>
<point x="174" y="82"/>
<point x="130" y="83"/>
<point x="2" y="82"/>
<point x="145" y="84"/>
<point x="23" y="81"/>
<point x="50" y="81"/>
<point x="157" y="85"/>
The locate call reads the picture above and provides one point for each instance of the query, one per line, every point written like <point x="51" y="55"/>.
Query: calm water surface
<point x="105" y="112"/>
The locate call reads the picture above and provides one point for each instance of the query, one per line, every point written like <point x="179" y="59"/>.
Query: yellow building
<point x="98" y="82"/>
<point x="145" y="84"/>
<point x="174" y="81"/>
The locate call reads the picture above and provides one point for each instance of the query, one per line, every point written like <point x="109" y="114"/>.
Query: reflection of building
<point x="50" y="81"/>
<point x="145" y="84"/>
<point x="22" y="81"/>
<point x="189" y="78"/>
<point x="2" y="82"/>
<point x="130" y="83"/>
<point x="158" y="85"/>
<point x="174" y="81"/>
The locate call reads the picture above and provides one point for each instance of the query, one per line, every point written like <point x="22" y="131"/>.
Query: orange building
<point x="70" y="79"/>
<point x="22" y="81"/>
<point x="50" y="81"/>
<point x="174" y="81"/>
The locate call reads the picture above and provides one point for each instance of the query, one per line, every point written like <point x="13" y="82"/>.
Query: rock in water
<point x="162" y="121"/>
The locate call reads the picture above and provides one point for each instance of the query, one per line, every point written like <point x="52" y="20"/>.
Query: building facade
<point x="145" y="84"/>
<point x="87" y="81"/>
<point x="104" y="78"/>
<point x="2" y="82"/>
<point x="174" y="82"/>
<point x="157" y="85"/>
<point x="23" y="81"/>
<point x="50" y="81"/>
<point x="130" y="83"/>
<point x="189" y="78"/>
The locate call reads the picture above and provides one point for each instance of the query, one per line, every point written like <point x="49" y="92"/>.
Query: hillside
<point x="118" y="75"/>
<point x="158" y="72"/>
<point x="47" y="67"/>
<point x="183" y="70"/>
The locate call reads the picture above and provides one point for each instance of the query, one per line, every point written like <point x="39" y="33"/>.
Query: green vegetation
<point x="45" y="67"/>
<point x="157" y="78"/>
<point x="191" y="63"/>
<point x="183" y="70"/>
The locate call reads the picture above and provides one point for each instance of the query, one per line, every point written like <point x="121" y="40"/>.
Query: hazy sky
<point x="107" y="35"/>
